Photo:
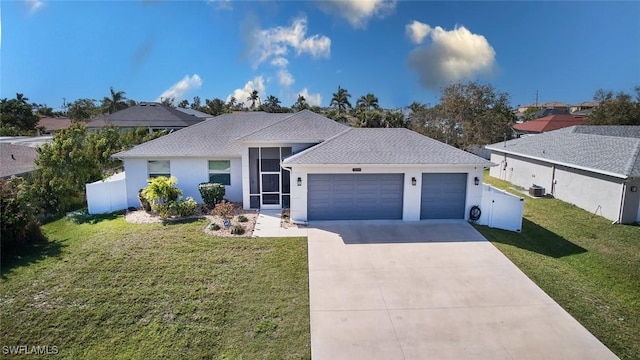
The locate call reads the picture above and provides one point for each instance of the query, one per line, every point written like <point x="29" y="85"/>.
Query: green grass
<point x="109" y="289"/>
<point x="589" y="266"/>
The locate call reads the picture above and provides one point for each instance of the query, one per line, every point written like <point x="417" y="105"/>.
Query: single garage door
<point x="443" y="196"/>
<point x="354" y="196"/>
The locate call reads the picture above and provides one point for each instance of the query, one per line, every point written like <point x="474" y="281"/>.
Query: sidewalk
<point x="268" y="225"/>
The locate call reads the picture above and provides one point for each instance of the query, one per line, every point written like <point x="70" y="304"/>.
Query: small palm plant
<point x="161" y="190"/>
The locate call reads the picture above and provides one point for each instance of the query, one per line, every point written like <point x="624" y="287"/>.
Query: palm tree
<point x="300" y="104"/>
<point x="20" y="97"/>
<point x="114" y="103"/>
<point x="368" y="102"/>
<point x="272" y="102"/>
<point x="253" y="97"/>
<point x="232" y="103"/>
<point x="340" y="100"/>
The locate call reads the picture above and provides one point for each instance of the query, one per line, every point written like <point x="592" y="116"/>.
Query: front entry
<point x="269" y="183"/>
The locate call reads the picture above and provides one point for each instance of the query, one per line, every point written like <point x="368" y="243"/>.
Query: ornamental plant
<point x="211" y="193"/>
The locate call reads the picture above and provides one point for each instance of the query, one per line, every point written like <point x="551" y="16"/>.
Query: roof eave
<point x="561" y="163"/>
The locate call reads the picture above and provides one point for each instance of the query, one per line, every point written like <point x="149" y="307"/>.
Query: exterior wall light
<point x="299" y="181"/>
<point x="413" y="181"/>
<point x="634" y="188"/>
<point x="476" y="181"/>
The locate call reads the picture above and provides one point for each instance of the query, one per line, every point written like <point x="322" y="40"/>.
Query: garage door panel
<point x="443" y="196"/>
<point x="355" y="196"/>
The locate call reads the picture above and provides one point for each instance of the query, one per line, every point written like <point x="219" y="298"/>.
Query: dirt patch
<point x="140" y="216"/>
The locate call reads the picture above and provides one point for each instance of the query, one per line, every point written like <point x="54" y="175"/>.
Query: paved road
<point x="430" y="290"/>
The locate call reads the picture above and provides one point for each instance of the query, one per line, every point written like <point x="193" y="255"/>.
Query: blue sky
<point x="402" y="51"/>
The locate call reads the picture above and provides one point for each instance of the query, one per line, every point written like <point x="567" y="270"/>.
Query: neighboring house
<point x="320" y="169"/>
<point x="548" y="123"/>
<point x="596" y="168"/>
<point x="151" y="115"/>
<point x="53" y="124"/>
<point x="16" y="160"/>
<point x="557" y="105"/>
<point x="195" y="113"/>
<point x="584" y="108"/>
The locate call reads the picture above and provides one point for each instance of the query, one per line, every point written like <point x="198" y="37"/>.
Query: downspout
<point x="553" y="180"/>
<point x="289" y="170"/>
<point x="622" y="199"/>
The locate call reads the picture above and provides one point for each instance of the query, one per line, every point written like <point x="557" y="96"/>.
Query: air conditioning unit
<point x="536" y="191"/>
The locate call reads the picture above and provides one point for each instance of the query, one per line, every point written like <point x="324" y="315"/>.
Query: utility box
<point x="536" y="191"/>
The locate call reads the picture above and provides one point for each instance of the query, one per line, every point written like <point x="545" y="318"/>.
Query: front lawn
<point x="590" y="267"/>
<point x="110" y="289"/>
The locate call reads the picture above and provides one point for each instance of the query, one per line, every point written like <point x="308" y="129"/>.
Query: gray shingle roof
<point x="149" y="114"/>
<point x="612" y="150"/>
<point x="304" y="126"/>
<point x="16" y="159"/>
<point x="384" y="146"/>
<point x="210" y="138"/>
<point x="194" y="112"/>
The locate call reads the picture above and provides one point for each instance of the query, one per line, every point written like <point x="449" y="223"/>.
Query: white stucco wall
<point x="190" y="173"/>
<point x="412" y="194"/>
<point x="596" y="194"/>
<point x="521" y="172"/>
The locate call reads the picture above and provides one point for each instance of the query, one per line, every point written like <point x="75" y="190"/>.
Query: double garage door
<point x="379" y="196"/>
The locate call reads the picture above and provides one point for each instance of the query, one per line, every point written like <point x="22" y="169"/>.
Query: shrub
<point x="19" y="225"/>
<point x="186" y="208"/>
<point x="212" y="193"/>
<point x="214" y="227"/>
<point x="242" y="218"/>
<point x="224" y="209"/>
<point x="237" y="230"/>
<point x="144" y="203"/>
<point x="160" y="191"/>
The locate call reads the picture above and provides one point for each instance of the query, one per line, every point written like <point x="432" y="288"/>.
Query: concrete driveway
<point x="430" y="290"/>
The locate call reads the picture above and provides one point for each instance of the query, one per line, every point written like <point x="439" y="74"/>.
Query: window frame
<point x="226" y="171"/>
<point x="155" y="174"/>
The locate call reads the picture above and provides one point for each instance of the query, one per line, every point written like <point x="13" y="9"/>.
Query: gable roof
<point x="302" y="127"/>
<point x="223" y="135"/>
<point x="146" y="114"/>
<point x="384" y="146"/>
<point x="16" y="159"/>
<point x="609" y="150"/>
<point x="549" y="123"/>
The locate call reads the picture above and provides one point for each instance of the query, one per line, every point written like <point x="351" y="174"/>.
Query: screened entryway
<point x="269" y="184"/>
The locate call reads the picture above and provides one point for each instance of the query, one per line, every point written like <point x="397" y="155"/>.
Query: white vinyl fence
<point x="501" y="209"/>
<point x="107" y="195"/>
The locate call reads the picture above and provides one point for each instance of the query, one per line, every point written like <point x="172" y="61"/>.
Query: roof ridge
<point x="320" y="145"/>
<point x="265" y="127"/>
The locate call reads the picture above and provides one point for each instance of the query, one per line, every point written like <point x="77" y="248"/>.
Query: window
<point x="158" y="168"/>
<point x="220" y="171"/>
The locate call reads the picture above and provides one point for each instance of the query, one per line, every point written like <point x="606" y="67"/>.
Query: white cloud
<point x="417" y="31"/>
<point x="34" y="5"/>
<point x="280" y="62"/>
<point x="313" y="99"/>
<point x="358" y="12"/>
<point x="285" y="78"/>
<point x="451" y="56"/>
<point x="221" y="4"/>
<point x="177" y="90"/>
<point x="242" y="94"/>
<point x="276" y="42"/>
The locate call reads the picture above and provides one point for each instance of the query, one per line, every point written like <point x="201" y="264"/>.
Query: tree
<point x="469" y="114"/>
<point x="232" y="104"/>
<point x="340" y="101"/>
<point x="272" y="105"/>
<point x="215" y="107"/>
<point x="620" y="109"/>
<point x="183" y="104"/>
<point x="253" y="97"/>
<point x="115" y="102"/>
<point x="18" y="221"/>
<point x="368" y="102"/>
<point x="17" y="117"/>
<point x="300" y="104"/>
<point x="195" y="105"/>
<point x="82" y="110"/>
<point x="169" y="101"/>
